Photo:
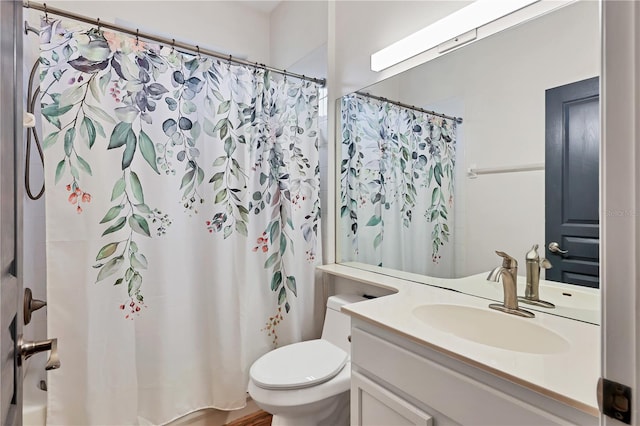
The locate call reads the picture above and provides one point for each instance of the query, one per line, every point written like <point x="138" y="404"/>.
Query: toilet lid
<point x="298" y="365"/>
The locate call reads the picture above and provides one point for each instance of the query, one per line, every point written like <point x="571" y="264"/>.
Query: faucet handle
<point x="545" y="263"/>
<point x="533" y="253"/>
<point x="507" y="261"/>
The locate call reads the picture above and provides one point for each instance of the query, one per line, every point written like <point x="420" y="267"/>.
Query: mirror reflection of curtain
<point x="397" y="187"/>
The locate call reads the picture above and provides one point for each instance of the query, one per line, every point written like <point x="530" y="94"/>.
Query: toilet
<point x="307" y="383"/>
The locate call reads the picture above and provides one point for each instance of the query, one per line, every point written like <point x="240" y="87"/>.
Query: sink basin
<point x="490" y="328"/>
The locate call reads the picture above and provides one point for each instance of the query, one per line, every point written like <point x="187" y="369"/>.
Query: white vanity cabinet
<point x="397" y="381"/>
<point x="378" y="406"/>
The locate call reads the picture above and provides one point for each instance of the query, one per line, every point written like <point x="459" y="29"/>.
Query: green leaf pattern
<point x="256" y="123"/>
<point x="391" y="156"/>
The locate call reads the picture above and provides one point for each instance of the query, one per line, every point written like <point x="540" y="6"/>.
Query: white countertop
<point x="570" y="376"/>
<point x="572" y="301"/>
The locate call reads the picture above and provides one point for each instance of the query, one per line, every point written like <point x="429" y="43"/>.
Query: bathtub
<point x="34" y="400"/>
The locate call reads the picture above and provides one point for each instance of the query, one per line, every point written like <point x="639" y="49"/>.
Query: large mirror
<point x="493" y="146"/>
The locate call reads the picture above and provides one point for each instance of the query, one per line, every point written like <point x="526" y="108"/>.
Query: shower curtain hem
<point x="206" y="407"/>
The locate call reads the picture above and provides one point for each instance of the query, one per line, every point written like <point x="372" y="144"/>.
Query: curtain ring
<point x="198" y="51"/>
<point x="229" y="62"/>
<point x="98" y="23"/>
<point x="46" y="13"/>
<point x="137" y="36"/>
<point x="173" y="45"/>
<point x="285" y="75"/>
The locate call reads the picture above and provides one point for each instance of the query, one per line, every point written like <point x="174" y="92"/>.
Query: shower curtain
<point x="182" y="215"/>
<point x="397" y="187"/>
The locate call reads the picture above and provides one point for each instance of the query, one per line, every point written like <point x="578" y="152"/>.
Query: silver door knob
<point x="26" y="349"/>
<point x="555" y="248"/>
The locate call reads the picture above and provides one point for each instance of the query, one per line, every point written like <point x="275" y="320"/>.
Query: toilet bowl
<point x="307" y="383"/>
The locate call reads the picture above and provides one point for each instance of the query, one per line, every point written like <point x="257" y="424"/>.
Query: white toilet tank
<point x="337" y="326"/>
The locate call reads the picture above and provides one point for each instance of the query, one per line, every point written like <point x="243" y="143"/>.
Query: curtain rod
<point x="473" y="171"/>
<point x="162" y="40"/>
<point x="415" y="108"/>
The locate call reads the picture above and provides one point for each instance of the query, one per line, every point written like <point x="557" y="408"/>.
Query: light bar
<point x="475" y="15"/>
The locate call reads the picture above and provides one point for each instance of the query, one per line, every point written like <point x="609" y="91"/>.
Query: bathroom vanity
<point x="425" y="356"/>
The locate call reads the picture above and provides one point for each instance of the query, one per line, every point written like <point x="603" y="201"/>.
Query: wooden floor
<point x="260" y="418"/>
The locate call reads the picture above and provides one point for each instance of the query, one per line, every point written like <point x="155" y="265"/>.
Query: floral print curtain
<point x="182" y="215"/>
<point x="397" y="186"/>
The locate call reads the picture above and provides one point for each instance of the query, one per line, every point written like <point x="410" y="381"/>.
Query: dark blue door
<point x="571" y="182"/>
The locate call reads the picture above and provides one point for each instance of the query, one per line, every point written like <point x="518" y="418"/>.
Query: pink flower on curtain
<point x="123" y="44"/>
<point x="78" y="196"/>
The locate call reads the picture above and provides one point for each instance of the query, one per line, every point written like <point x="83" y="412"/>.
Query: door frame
<point x="11" y="157"/>
<point x="620" y="197"/>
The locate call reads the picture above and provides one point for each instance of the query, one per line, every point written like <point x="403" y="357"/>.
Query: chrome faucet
<point x="509" y="273"/>
<point x="531" y="292"/>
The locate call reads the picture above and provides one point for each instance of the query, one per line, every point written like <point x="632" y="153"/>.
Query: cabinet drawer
<point x="373" y="405"/>
<point x="459" y="397"/>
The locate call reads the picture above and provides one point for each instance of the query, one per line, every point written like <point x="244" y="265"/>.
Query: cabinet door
<point x="373" y="405"/>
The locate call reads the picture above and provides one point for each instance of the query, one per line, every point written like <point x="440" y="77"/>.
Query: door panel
<point x="571" y="181"/>
<point x="10" y="209"/>
<point x="580" y="158"/>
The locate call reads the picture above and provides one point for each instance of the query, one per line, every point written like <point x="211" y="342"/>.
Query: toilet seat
<point x="299" y="365"/>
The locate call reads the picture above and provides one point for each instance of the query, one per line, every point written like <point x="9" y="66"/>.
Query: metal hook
<point x="98" y="23"/>
<point x="137" y="36"/>
<point x="198" y="51"/>
<point x="173" y="45"/>
<point x="285" y="75"/>
<point x="46" y="13"/>
<point x="28" y="28"/>
<point x="229" y="62"/>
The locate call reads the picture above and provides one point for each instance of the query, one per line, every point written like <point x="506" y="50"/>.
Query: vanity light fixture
<point x="457" y="28"/>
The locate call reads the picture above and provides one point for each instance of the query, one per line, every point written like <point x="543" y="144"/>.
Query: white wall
<point x="226" y="26"/>
<point x="298" y="29"/>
